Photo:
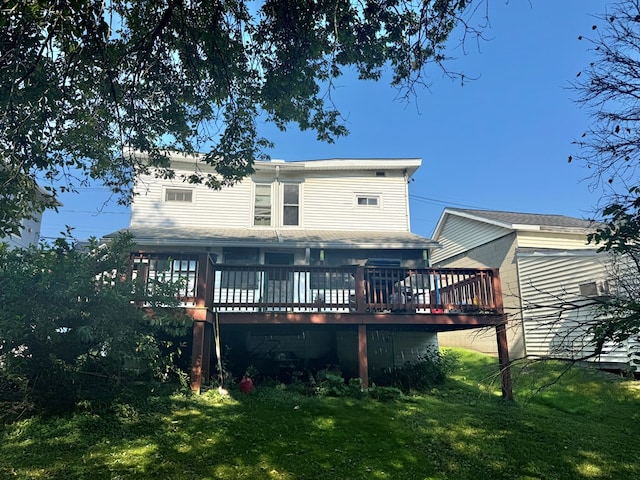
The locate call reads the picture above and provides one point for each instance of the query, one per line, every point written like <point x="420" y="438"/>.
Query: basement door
<point x="279" y="281"/>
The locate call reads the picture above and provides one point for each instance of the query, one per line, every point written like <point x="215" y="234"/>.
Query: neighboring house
<point x="548" y="271"/>
<point x="29" y="233"/>
<point x="305" y="265"/>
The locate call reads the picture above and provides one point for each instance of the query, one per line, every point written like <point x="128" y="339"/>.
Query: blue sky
<point x="499" y="142"/>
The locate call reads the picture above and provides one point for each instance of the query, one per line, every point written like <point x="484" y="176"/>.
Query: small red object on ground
<point x="246" y="384"/>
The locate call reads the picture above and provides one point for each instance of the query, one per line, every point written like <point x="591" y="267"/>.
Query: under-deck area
<point x="357" y="297"/>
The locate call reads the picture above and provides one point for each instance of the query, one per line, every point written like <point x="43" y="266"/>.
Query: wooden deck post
<point x="201" y="348"/>
<point x="202" y="282"/>
<point x="206" y="353"/>
<point x="504" y="362"/>
<point x="197" y="355"/>
<point x="363" y="360"/>
<point x="501" y="338"/>
<point x="360" y="291"/>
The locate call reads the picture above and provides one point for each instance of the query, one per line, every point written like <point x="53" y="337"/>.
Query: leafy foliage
<point x="426" y="372"/>
<point x="70" y="329"/>
<point x="609" y="87"/>
<point x="81" y="80"/>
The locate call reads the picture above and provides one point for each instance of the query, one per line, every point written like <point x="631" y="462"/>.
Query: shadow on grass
<point x="462" y="430"/>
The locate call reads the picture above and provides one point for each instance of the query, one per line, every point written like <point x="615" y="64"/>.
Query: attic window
<point x="368" y="200"/>
<point x="178" y="195"/>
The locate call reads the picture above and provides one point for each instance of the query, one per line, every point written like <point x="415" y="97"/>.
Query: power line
<point x="444" y="203"/>
<point x="93" y="212"/>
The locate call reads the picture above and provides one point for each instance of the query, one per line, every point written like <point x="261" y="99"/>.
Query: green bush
<point x="421" y="375"/>
<point x="69" y="328"/>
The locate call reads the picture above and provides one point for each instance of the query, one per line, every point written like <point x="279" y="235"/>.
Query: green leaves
<point x="70" y="312"/>
<point x="82" y="80"/>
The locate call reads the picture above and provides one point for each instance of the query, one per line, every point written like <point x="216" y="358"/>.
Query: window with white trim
<point x="368" y="200"/>
<point x="183" y="195"/>
<point x="290" y="204"/>
<point x="262" y="204"/>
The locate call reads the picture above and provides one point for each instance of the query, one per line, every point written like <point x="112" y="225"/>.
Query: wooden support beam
<point x="202" y="281"/>
<point x="360" y="289"/>
<point x="363" y="360"/>
<point x="197" y="354"/>
<point x="206" y="352"/>
<point x="504" y="362"/>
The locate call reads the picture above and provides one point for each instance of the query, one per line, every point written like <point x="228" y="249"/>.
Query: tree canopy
<point x="610" y="88"/>
<point x="81" y="81"/>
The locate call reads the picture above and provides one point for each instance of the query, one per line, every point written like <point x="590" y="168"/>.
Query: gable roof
<point x="279" y="238"/>
<point x="520" y="221"/>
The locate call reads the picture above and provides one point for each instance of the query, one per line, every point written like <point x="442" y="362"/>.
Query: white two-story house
<point x="305" y="265"/>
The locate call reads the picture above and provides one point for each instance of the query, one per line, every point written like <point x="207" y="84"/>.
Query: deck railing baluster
<point x="307" y="288"/>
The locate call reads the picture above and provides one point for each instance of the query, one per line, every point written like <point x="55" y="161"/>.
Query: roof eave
<point x="156" y="242"/>
<point x="449" y="211"/>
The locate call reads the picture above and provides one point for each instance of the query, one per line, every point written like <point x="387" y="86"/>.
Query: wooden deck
<point x="442" y="299"/>
<point x="243" y="289"/>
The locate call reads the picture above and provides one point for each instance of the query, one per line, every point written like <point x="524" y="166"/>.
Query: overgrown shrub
<point x="421" y="375"/>
<point x="70" y="330"/>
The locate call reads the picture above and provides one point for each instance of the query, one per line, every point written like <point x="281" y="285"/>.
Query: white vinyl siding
<point x="330" y="203"/>
<point x="327" y="201"/>
<point x="555" y="240"/>
<point x="29" y="233"/>
<point x="230" y="207"/>
<point x="547" y="280"/>
<point x="461" y="234"/>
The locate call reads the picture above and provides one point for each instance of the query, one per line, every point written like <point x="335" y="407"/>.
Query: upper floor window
<point x="262" y="204"/>
<point x="290" y="204"/>
<point x="178" y="195"/>
<point x="370" y="200"/>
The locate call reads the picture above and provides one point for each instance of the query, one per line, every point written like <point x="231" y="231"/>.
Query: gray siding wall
<point x="386" y="348"/>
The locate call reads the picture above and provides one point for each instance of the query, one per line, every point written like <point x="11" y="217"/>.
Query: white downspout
<point x="406" y="197"/>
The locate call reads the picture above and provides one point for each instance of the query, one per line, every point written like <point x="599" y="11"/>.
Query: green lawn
<point x="586" y="426"/>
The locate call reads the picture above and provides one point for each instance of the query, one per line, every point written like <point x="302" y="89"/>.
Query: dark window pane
<point x="291" y="194"/>
<point x="290" y="216"/>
